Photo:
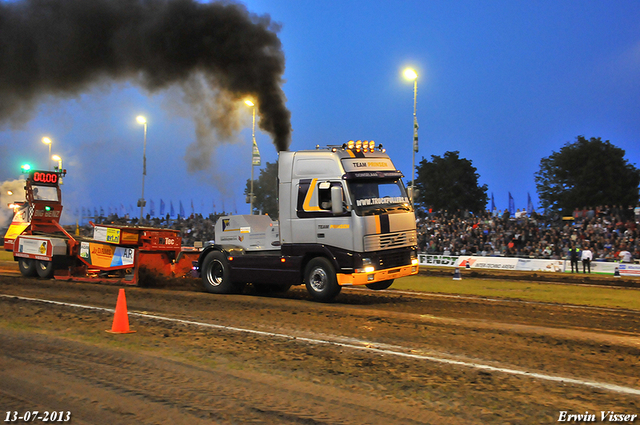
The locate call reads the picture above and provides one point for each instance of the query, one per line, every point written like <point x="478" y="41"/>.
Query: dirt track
<point x="370" y="357"/>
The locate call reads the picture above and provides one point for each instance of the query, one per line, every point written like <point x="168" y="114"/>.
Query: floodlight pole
<point x="415" y="140"/>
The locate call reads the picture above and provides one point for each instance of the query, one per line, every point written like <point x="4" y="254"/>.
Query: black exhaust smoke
<point x="216" y="53"/>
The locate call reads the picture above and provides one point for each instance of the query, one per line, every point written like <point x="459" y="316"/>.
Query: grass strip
<point x="596" y="296"/>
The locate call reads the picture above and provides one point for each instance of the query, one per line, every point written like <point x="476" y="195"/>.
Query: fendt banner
<point x="524" y="264"/>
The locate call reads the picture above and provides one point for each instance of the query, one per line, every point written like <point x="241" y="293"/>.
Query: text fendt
<point x="345" y="219"/>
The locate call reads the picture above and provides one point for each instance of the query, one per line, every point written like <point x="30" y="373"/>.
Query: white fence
<point x="524" y="264"/>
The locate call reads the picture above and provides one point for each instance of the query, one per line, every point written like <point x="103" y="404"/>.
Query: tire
<point x="379" y="286"/>
<point x="44" y="269"/>
<point x="27" y="267"/>
<point x="216" y="275"/>
<point x="320" y="280"/>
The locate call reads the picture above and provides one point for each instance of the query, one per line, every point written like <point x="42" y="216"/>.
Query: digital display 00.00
<point x="44" y="177"/>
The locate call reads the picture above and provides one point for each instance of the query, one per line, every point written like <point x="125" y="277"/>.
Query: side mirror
<point x="336" y="200"/>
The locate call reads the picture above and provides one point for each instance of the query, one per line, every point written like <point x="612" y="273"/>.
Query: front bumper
<point x="376" y="275"/>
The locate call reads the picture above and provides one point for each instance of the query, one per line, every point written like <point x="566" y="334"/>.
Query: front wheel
<point x="379" y="286"/>
<point x="45" y="269"/>
<point x="320" y="280"/>
<point x="27" y="267"/>
<point x="216" y="274"/>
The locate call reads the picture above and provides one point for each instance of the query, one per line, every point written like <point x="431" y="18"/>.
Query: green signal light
<point x="26" y="168"/>
<point x="47" y="208"/>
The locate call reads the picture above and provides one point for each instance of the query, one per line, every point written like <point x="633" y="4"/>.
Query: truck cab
<point x="344" y="219"/>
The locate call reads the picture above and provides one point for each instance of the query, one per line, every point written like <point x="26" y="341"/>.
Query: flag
<point x="529" y="204"/>
<point x="512" y="206"/>
<point x="193" y="210"/>
<point x="181" y="210"/>
<point x="152" y="208"/>
<point x="161" y="208"/>
<point x="493" y="203"/>
<point x="256" y="154"/>
<point x="101" y="211"/>
<point x="95" y="212"/>
<point x="172" y="212"/>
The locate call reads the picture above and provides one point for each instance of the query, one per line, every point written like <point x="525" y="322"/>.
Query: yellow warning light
<point x="351" y="144"/>
<point x="358" y="144"/>
<point x="372" y="145"/>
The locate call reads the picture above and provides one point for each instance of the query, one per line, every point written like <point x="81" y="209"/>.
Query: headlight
<point x="367" y="266"/>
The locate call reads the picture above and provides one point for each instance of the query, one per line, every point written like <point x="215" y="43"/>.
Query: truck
<point x="345" y="219"/>
<point x="42" y="247"/>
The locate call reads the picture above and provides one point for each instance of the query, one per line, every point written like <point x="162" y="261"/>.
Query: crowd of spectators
<point x="610" y="233"/>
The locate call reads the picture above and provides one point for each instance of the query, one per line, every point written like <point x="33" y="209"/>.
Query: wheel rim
<point x="215" y="273"/>
<point x="318" y="279"/>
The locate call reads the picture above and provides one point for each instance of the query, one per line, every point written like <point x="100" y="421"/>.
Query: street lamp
<point x="47" y="141"/>
<point x="410" y="74"/>
<point x="255" y="154"/>
<point x="57" y="158"/>
<point x="141" y="202"/>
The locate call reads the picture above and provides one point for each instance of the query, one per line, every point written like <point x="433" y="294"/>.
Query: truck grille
<point x="393" y="259"/>
<point x="390" y="240"/>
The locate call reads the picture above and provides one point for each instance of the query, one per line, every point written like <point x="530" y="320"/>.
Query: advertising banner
<point x="34" y="246"/>
<point x="106" y="256"/>
<point x="106" y="234"/>
<point x="524" y="264"/>
<point x="629" y="269"/>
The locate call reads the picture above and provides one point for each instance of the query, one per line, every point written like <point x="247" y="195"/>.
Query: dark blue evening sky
<point x="506" y="83"/>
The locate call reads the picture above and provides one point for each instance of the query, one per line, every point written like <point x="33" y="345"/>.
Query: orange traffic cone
<point x="121" y="318"/>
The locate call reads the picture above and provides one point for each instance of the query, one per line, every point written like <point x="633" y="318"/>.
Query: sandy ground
<point x="369" y="358"/>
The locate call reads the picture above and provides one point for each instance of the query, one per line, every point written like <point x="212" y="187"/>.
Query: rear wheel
<point x="216" y="275"/>
<point x="27" y="267"/>
<point x="320" y="280"/>
<point x="44" y="269"/>
<point x="378" y="286"/>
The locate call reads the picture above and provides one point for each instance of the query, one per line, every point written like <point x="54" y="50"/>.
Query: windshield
<point x="45" y="193"/>
<point x="377" y="196"/>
